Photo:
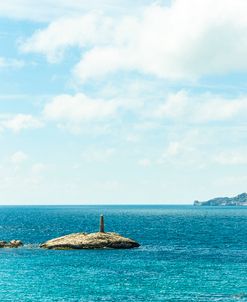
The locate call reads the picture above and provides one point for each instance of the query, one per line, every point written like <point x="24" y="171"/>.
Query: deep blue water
<point x="187" y="254"/>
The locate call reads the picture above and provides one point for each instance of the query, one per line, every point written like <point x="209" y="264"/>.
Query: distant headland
<point x="239" y="200"/>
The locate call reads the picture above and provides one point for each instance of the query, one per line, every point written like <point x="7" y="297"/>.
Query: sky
<point x="122" y="102"/>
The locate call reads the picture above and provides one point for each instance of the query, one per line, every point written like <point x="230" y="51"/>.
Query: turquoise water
<point x="187" y="254"/>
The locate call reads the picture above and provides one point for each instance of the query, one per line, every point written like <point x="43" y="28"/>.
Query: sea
<point x="187" y="253"/>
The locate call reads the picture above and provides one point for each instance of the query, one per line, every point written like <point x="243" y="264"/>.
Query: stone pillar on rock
<point x="101" y="226"/>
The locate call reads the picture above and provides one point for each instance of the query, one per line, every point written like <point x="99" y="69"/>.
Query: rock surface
<point x="11" y="244"/>
<point x="98" y="240"/>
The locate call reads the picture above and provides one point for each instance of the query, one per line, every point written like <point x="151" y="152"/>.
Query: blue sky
<point x="114" y="102"/>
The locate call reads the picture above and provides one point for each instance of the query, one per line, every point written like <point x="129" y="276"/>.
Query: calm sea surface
<point x="187" y="254"/>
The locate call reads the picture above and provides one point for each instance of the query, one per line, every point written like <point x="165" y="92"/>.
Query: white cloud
<point x="182" y="147"/>
<point x="174" y="106"/>
<point x="82" y="113"/>
<point x="187" y="148"/>
<point x="217" y="108"/>
<point x="11" y="63"/>
<point x="79" y="31"/>
<point x="144" y="162"/>
<point x="233" y="157"/>
<point x="100" y="155"/>
<point x="100" y="61"/>
<point x="20" y="122"/>
<point x="175" y="148"/>
<point x="205" y="147"/>
<point x="18" y="157"/>
<point x="186" y="40"/>
<point x="200" y="108"/>
<point x="38" y="168"/>
<point x="79" y="108"/>
<point x="74" y="111"/>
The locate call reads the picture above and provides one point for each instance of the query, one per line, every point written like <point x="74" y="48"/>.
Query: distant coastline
<point x="239" y="200"/>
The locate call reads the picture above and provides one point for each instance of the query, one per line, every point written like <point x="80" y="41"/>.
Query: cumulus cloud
<point x="18" y="157"/>
<point x="99" y="62"/>
<point x="79" y="108"/>
<point x="19" y="122"/>
<point x="79" y="111"/>
<point x="185" y="40"/>
<point x="184" y="107"/>
<point x="78" y="31"/>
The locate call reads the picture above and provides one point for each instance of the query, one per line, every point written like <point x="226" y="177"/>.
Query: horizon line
<point x="105" y="204"/>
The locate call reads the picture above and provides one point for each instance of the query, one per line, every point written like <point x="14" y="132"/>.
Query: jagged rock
<point x="15" y="243"/>
<point x="11" y="244"/>
<point x="3" y="243"/>
<point x="98" y="240"/>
